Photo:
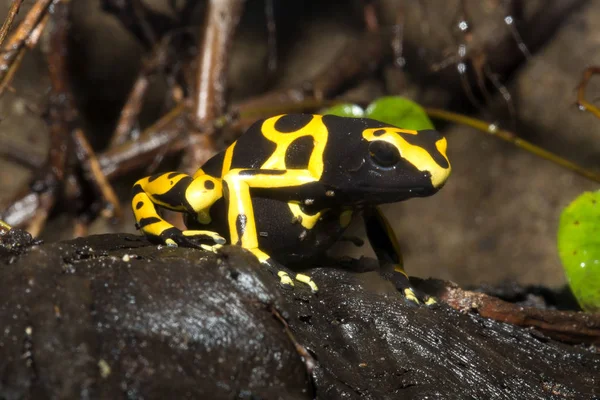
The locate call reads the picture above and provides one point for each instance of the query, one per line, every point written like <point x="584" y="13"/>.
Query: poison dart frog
<point x="289" y="186"/>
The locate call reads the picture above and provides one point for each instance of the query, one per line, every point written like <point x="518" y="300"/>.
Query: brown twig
<point x="121" y="159"/>
<point x="87" y="157"/>
<point x="222" y="17"/>
<point x="581" y="101"/>
<point x="308" y="359"/>
<point x="133" y="105"/>
<point x="566" y="326"/>
<point x="13" y="51"/>
<point x="169" y="134"/>
<point x="61" y="116"/>
<point x="12" y="13"/>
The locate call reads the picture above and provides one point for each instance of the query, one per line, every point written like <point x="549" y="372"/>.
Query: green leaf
<point x="346" y="110"/>
<point x="579" y="248"/>
<point x="400" y="112"/>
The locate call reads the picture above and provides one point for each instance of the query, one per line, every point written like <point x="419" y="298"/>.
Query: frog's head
<point x="373" y="163"/>
<point x="403" y="163"/>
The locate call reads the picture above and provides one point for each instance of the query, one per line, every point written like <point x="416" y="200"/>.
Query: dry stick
<point x="61" y="117"/>
<point x="133" y="105"/>
<point x="566" y="326"/>
<point x="167" y="132"/>
<point x="222" y="17"/>
<point x="30" y="43"/>
<point x="121" y="159"/>
<point x="581" y="101"/>
<point x="12" y="13"/>
<point x="12" y="52"/>
<point x="309" y="361"/>
<point x="87" y="157"/>
<point x="511" y="138"/>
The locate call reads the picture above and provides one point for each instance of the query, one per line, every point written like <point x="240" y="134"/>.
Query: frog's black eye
<point x="383" y="153"/>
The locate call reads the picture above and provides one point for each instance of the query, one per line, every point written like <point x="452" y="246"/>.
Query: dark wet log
<point x="112" y="316"/>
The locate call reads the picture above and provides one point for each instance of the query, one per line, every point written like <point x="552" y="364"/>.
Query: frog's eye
<point x="383" y="153"/>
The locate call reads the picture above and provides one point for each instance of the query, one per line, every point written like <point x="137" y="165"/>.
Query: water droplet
<point x="508" y="20"/>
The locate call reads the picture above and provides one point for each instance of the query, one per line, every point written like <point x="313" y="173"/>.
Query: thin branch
<point x="566" y="326"/>
<point x="581" y="101"/>
<point x="12" y="13"/>
<point x="18" y="42"/>
<point x="62" y="114"/>
<point x="510" y="137"/>
<point x="133" y="105"/>
<point x="87" y="157"/>
<point x="222" y="17"/>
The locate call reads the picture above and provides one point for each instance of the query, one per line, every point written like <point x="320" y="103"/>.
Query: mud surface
<point x="111" y="317"/>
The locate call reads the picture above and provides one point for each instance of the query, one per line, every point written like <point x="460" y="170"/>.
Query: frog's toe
<point x="285" y="280"/>
<point x="418" y="297"/>
<point x="214" y="248"/>
<point x="171" y="243"/>
<point x="308" y="281"/>
<point x="173" y="237"/>
<point x="205" y="235"/>
<point x="430" y="301"/>
<point x="415" y="296"/>
<point x="410" y="295"/>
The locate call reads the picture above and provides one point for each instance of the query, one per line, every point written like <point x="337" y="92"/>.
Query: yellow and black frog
<point x="288" y="188"/>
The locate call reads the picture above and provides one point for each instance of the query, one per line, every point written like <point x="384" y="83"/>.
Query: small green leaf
<point x="579" y="248"/>
<point x="346" y="110"/>
<point x="400" y="112"/>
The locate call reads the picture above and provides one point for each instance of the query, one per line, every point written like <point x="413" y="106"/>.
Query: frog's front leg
<point x="178" y="192"/>
<point x="386" y="248"/>
<point x="240" y="212"/>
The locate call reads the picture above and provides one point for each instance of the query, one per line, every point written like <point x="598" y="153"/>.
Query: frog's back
<point x="291" y="141"/>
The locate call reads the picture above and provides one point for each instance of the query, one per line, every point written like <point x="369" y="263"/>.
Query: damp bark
<point x="111" y="316"/>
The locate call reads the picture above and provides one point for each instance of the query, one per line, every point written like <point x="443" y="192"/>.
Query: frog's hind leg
<point x="240" y="213"/>
<point x="178" y="192"/>
<point x="386" y="248"/>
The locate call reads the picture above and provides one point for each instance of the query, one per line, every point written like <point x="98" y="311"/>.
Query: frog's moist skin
<point x="288" y="187"/>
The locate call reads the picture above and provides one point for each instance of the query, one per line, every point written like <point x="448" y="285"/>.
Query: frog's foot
<point x="287" y="277"/>
<point x="403" y="285"/>
<point x="307" y="280"/>
<point x="190" y="238"/>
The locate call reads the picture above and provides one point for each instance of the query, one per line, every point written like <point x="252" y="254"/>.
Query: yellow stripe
<point x="227" y="159"/>
<point x="315" y="128"/>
